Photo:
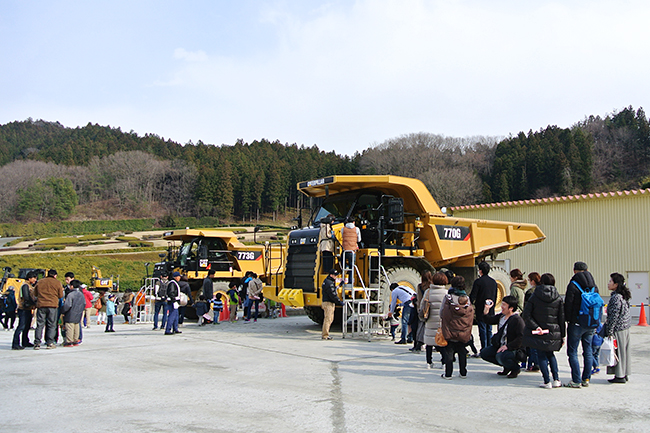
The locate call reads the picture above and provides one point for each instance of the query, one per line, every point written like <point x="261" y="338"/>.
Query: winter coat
<point x="110" y="308"/>
<point x="545" y="310"/>
<point x="573" y="297"/>
<point x="517" y="290"/>
<point x="48" y="291"/>
<point x="201" y="308"/>
<point x="329" y="293"/>
<point x="26" y="292"/>
<point x="89" y="297"/>
<point x="351" y="235"/>
<point x="618" y="314"/>
<point x="484" y="288"/>
<point x="456" y="321"/>
<point x="325" y="238"/>
<point x="74" y="306"/>
<point x="208" y="288"/>
<point x="255" y="287"/>
<point x="514" y="328"/>
<point x="435" y="295"/>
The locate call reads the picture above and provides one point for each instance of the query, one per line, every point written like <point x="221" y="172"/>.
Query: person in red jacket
<point x="89" y="305"/>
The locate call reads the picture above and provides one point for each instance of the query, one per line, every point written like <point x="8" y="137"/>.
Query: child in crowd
<point x="596" y="342"/>
<point x="217" y="307"/>
<point x="394" y="323"/>
<point x="233" y="300"/>
<point x="201" y="308"/>
<point x="110" y="312"/>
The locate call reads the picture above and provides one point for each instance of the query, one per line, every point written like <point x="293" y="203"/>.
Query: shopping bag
<point x="608" y="352"/>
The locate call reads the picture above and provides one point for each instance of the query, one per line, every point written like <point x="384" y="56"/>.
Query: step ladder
<point x="364" y="307"/>
<point x="148" y="290"/>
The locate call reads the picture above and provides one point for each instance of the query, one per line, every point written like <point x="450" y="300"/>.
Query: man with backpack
<point x="582" y="309"/>
<point x="161" y="302"/>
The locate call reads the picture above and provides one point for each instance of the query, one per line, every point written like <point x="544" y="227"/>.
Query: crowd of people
<point x="534" y="321"/>
<point x="531" y="326"/>
<point x="59" y="312"/>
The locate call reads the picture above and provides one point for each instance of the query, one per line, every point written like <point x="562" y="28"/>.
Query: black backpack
<point x="162" y="291"/>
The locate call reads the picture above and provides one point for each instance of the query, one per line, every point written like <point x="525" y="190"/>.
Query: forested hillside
<point x="49" y="172"/>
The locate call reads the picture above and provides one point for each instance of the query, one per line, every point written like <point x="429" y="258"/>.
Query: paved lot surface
<point x="277" y="375"/>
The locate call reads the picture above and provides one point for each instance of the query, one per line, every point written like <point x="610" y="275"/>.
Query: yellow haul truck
<point x="403" y="232"/>
<point x="194" y="252"/>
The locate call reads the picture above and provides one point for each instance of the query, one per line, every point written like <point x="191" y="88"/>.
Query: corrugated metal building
<point x="608" y="231"/>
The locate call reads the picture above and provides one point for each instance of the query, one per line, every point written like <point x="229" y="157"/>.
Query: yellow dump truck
<point x="403" y="233"/>
<point x="194" y="252"/>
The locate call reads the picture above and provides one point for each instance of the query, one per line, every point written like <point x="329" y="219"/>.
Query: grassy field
<point x="128" y="265"/>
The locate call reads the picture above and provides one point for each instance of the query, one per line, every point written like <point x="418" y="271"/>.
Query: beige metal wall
<point x="610" y="234"/>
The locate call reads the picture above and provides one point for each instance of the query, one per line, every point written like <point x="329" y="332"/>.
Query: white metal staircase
<point x="363" y="307"/>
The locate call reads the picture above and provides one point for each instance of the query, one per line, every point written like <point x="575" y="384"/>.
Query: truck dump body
<point x="444" y="240"/>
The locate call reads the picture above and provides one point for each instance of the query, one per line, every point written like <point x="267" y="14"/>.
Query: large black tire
<point x="317" y="316"/>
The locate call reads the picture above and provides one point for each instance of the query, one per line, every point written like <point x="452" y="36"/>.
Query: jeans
<point x="109" y="323"/>
<point x="172" y="319"/>
<point x="157" y="307"/>
<point x="484" y="333"/>
<point x="406" y="315"/>
<point x="533" y="357"/>
<point x="595" y="351"/>
<point x="545" y="359"/>
<point x="506" y="359"/>
<point x="575" y="335"/>
<point x="21" y="335"/>
<point x="46" y="318"/>
<point x="252" y="302"/>
<point x="215" y="320"/>
<point x="181" y="315"/>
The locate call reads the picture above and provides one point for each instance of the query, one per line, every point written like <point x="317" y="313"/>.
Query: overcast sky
<point x="343" y="75"/>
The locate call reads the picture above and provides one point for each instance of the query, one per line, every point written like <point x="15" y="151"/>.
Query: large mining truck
<point x="403" y="233"/>
<point x="194" y="252"/>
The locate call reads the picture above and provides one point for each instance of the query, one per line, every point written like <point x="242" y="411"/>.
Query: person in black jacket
<point x="507" y="340"/>
<point x="484" y="288"/>
<point x="545" y="330"/>
<point x="576" y="333"/>
<point x="330" y="300"/>
<point x="26" y="304"/>
<point x="173" y="299"/>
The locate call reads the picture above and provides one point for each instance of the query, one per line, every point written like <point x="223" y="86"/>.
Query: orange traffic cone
<point x="225" y="314"/>
<point x="283" y="311"/>
<point x="642" y="320"/>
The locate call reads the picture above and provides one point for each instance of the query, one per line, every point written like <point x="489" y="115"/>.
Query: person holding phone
<point x="545" y="329"/>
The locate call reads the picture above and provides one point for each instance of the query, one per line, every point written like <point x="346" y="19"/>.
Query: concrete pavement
<point x="278" y="375"/>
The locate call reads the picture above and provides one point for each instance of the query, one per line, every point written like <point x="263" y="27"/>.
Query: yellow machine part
<point x="291" y="297"/>
<point x="444" y="240"/>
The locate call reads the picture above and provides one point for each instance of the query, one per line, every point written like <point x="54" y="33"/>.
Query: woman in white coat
<point x="433" y="297"/>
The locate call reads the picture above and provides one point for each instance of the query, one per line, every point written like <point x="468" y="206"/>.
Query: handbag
<point x="608" y="352"/>
<point x="98" y="304"/>
<point x="426" y="306"/>
<point x="440" y="339"/>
